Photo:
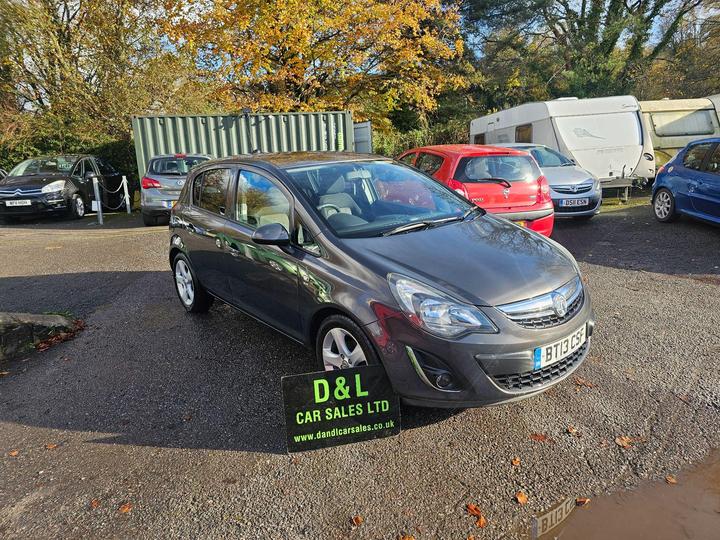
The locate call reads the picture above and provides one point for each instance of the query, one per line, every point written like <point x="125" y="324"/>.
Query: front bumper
<point x="485" y="369"/>
<point x="590" y="209"/>
<point x="51" y="203"/>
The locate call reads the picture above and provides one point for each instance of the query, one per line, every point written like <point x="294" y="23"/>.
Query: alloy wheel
<point x="340" y="350"/>
<point x="79" y="207"/>
<point x="184" y="283"/>
<point x="663" y="205"/>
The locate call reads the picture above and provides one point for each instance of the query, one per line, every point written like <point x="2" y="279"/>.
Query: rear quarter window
<point x="429" y="163"/>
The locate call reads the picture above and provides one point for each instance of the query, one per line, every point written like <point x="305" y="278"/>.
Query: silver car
<point x="575" y="192"/>
<point x="161" y="185"/>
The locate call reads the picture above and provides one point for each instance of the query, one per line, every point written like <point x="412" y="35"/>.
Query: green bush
<point x="391" y="143"/>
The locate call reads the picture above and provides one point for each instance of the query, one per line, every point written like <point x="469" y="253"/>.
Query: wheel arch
<point x="323" y="313"/>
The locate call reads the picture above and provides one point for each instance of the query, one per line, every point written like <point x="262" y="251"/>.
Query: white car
<point x="575" y="192"/>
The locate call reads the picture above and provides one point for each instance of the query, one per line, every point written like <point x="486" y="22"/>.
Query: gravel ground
<point x="180" y="416"/>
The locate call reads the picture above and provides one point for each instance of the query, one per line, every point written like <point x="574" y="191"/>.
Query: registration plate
<point x="554" y="352"/>
<point x="18" y="202"/>
<point x="574" y="202"/>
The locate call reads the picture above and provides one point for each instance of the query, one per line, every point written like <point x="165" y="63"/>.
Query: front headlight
<point x="436" y="312"/>
<point x="53" y="187"/>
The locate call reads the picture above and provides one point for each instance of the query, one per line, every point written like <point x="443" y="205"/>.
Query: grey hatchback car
<point x="369" y="261"/>
<point x="162" y="183"/>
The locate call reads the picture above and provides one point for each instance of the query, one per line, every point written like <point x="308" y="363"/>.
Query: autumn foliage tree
<point x="368" y="56"/>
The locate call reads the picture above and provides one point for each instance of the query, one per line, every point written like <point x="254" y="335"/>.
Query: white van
<point x="606" y="135"/>
<point x="673" y="123"/>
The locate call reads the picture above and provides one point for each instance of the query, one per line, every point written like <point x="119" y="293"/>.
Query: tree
<point x="369" y="56"/>
<point x="75" y="71"/>
<point x="601" y="46"/>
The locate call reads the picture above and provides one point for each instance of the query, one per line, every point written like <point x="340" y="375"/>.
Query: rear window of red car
<point x="510" y="168"/>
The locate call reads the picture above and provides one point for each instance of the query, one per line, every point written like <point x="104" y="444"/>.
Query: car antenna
<point x="246" y="114"/>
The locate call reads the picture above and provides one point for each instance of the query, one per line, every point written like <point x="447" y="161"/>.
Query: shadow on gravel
<point x="146" y="373"/>
<point x="632" y="239"/>
<point x="112" y="220"/>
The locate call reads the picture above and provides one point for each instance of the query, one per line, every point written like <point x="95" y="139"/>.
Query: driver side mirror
<point x="272" y="234"/>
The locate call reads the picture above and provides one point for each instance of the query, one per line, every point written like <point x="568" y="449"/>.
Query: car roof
<point x="290" y="160"/>
<point x="521" y="145"/>
<point x="469" y="150"/>
<point x="178" y="155"/>
<point x="706" y="140"/>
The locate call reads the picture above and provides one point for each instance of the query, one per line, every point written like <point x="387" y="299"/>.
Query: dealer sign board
<point x="329" y="408"/>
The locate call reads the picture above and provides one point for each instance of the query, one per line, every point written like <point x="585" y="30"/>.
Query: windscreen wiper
<point x="461" y="217"/>
<point x="407" y="227"/>
<point x="501" y="181"/>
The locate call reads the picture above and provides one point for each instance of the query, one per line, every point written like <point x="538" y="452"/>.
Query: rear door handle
<point x="191" y="228"/>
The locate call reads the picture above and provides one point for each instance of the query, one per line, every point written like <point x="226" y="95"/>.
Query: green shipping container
<point x="229" y="135"/>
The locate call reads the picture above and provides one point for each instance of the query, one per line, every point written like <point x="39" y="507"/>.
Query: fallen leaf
<point x="51" y="446"/>
<point x="573" y="431"/>
<point x="541" y="437"/>
<point x="125" y="508"/>
<point x="515" y="462"/>
<point x="684" y="398"/>
<point x="481" y="522"/>
<point x="624" y="441"/>
<point x="406" y="537"/>
<point x="357" y="520"/>
<point x="473" y="510"/>
<point x="579" y="381"/>
<point x="94" y="503"/>
<point x="471" y="537"/>
<point x="187" y="417"/>
<point x="44" y="345"/>
<point x="13" y="453"/>
<point x="582" y="501"/>
<point x="521" y="498"/>
<point x="670" y="479"/>
<point x="4" y="373"/>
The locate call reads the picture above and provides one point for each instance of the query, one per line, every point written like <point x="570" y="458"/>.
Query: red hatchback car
<point x="503" y="181"/>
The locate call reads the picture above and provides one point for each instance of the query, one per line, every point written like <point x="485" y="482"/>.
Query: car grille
<point x="571" y="190"/>
<point x="548" y="321"/>
<point x="535" y="380"/>
<point x="20" y="192"/>
<point x="539" y="312"/>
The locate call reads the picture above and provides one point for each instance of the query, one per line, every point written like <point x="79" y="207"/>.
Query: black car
<point x="369" y="261"/>
<point x="58" y="185"/>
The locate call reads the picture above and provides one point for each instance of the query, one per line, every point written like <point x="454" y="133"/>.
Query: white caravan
<point x="606" y="135"/>
<point x="673" y="123"/>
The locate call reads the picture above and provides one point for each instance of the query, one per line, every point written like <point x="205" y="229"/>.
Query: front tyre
<point x="342" y="344"/>
<point x="77" y="207"/>
<point x="193" y="297"/>
<point x="664" y="206"/>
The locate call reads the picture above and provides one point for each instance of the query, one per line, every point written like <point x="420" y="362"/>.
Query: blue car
<point x="690" y="183"/>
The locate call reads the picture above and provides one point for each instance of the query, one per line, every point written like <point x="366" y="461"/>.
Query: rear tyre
<point x="193" y="296"/>
<point x="663" y="204"/>
<point x="342" y="344"/>
<point x="77" y="207"/>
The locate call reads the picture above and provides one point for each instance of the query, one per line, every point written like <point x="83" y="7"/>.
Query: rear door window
<point x="213" y="190"/>
<point x="695" y="155"/>
<point x="429" y="163"/>
<point x="479" y="138"/>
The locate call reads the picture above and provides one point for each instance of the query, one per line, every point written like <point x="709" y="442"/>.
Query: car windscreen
<point x="369" y="198"/>
<point x="175" y="166"/>
<point x="53" y="165"/>
<point x="513" y="168"/>
<point x="546" y="157"/>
